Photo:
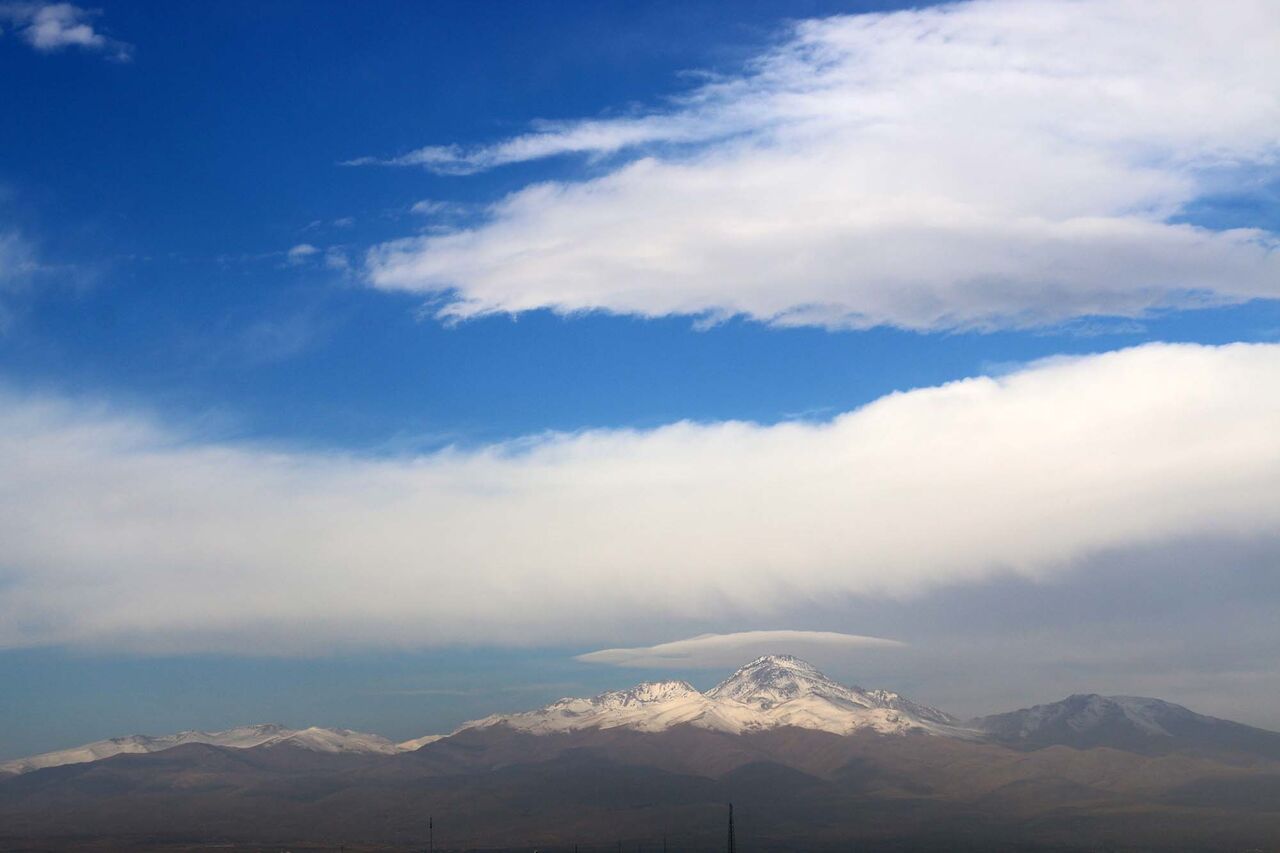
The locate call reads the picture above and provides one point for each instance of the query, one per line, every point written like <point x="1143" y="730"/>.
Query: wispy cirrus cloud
<point x="17" y="259"/>
<point x="332" y="257"/>
<point x="708" y="651"/>
<point x="51" y="27"/>
<point x="18" y="264"/>
<point x="121" y="531"/>
<point x="551" y="139"/>
<point x="981" y="164"/>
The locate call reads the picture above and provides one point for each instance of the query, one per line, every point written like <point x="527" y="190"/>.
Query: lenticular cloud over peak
<point x="980" y="164"/>
<point x="120" y="530"/>
<point x="717" y="650"/>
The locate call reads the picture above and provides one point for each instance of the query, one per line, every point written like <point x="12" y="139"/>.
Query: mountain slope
<point x="794" y="790"/>
<point x="1131" y="723"/>
<point x="242" y="737"/>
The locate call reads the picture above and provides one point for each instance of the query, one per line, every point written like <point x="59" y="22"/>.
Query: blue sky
<point x="189" y="260"/>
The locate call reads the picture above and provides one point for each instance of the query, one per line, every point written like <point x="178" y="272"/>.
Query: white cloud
<point x="709" y="651"/>
<point x="50" y="27"/>
<point x="301" y="252"/>
<point x="979" y="164"/>
<point x="333" y="257"/>
<point x="555" y="138"/>
<point x="120" y="531"/>
<point x="428" y="207"/>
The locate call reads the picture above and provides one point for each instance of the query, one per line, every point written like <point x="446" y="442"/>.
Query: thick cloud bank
<point x="980" y="164"/>
<point x="119" y="531"/>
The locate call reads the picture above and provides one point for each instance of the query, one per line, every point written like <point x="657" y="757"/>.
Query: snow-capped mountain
<point x="1131" y="723"/>
<point x="242" y="737"/>
<point x="651" y="706"/>
<point x="770" y="682"/>
<point x="769" y="692"/>
<point x="1084" y="713"/>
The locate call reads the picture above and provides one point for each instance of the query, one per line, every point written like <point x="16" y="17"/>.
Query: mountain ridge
<point x="771" y="692"/>
<point x="261" y="735"/>
<point x="1132" y="723"/>
<point x="812" y="765"/>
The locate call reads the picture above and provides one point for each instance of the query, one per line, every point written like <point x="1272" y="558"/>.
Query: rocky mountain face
<point x="809" y="764"/>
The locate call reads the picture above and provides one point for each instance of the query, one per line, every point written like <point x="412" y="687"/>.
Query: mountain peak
<point x="661" y="691"/>
<point x="1085" y="720"/>
<point x="776" y="666"/>
<point x="644" y="693"/>
<point x="780" y="661"/>
<point x="769" y="692"/>
<point x="770" y="680"/>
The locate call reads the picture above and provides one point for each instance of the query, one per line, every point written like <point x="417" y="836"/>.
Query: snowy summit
<point x="769" y="692"/>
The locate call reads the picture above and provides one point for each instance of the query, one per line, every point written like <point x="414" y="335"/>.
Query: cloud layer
<point x="120" y="531"/>
<point x="972" y="165"/>
<point x="711" y="651"/>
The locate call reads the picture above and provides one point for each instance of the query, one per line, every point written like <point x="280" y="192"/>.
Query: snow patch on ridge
<point x="418" y="742"/>
<point x="337" y="740"/>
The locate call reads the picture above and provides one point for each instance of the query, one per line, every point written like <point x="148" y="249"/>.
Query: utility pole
<point x="431" y="834"/>
<point x="733" y="847"/>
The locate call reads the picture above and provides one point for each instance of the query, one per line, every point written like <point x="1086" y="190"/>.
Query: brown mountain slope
<point x="794" y="789"/>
